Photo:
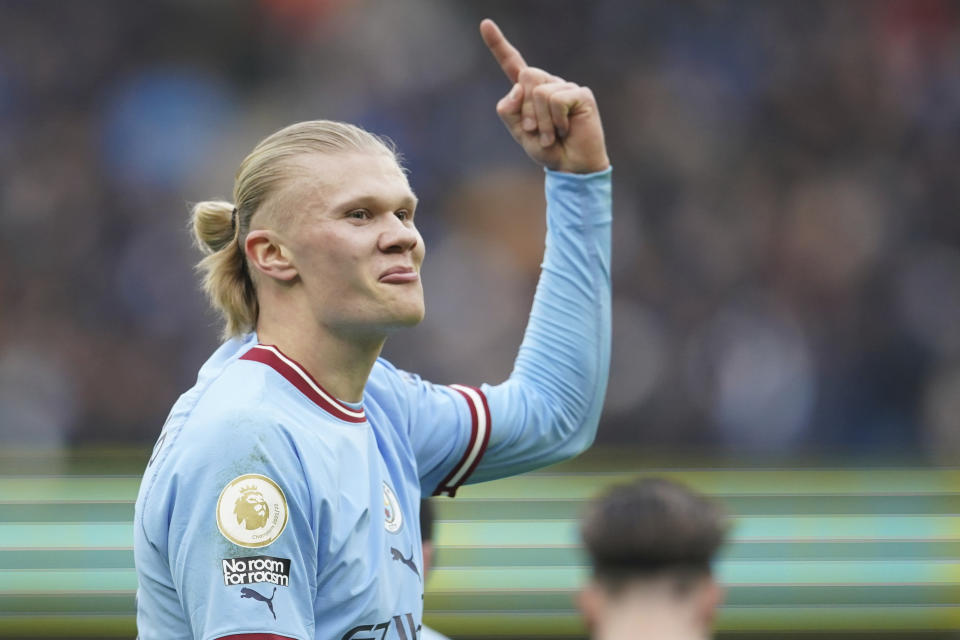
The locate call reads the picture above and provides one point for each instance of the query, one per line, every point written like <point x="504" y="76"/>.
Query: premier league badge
<point x="251" y="511"/>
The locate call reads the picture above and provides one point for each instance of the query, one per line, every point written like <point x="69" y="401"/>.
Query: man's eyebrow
<point x="409" y="200"/>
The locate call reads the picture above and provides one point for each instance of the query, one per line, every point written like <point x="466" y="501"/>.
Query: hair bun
<point x="213" y="225"/>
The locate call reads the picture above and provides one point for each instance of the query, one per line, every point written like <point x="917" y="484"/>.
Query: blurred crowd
<point x="787" y="245"/>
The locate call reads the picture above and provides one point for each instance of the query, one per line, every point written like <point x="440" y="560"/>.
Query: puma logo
<point x="397" y="555"/>
<point x="247" y="592"/>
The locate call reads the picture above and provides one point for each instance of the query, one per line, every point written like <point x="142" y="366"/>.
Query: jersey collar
<point x="298" y="377"/>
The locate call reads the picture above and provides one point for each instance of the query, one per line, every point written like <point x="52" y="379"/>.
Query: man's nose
<point x="399" y="237"/>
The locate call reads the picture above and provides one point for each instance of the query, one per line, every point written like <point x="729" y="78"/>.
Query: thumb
<point x="509" y="106"/>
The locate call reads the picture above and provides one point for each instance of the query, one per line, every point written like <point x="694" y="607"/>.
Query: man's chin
<point x="378" y="328"/>
<point x="411" y="319"/>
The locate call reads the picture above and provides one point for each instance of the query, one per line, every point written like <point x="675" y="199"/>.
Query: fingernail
<point x="544" y="140"/>
<point x="529" y="124"/>
<point x="515" y="91"/>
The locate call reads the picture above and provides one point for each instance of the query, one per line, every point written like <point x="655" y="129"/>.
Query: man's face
<point x="353" y="241"/>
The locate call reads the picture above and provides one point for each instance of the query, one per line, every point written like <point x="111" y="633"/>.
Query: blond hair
<point x="220" y="228"/>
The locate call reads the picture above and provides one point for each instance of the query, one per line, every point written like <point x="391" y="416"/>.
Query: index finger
<point x="506" y="54"/>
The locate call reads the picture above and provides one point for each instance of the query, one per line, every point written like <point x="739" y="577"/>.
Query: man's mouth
<point x="399" y="275"/>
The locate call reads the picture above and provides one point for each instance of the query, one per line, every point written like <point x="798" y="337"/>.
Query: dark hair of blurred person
<point x="651" y="544"/>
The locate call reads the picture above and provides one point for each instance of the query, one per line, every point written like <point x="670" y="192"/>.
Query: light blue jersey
<point x="271" y="510"/>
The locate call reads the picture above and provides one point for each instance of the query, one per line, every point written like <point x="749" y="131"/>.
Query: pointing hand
<point x="556" y="122"/>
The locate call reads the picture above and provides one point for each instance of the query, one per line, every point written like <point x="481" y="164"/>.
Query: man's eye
<point x="359" y="214"/>
<point x="402" y="214"/>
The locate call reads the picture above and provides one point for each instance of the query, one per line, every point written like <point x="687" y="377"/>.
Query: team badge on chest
<point x="393" y="517"/>
<point x="251" y="511"/>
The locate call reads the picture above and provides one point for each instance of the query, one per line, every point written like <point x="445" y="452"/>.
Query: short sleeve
<point x="242" y="546"/>
<point x="448" y="426"/>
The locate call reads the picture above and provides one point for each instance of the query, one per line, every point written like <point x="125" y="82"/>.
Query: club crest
<point x="393" y="517"/>
<point x="251" y="511"/>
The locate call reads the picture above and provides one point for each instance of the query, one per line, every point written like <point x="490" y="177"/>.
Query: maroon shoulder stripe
<point x="298" y="377"/>
<point x="479" y="438"/>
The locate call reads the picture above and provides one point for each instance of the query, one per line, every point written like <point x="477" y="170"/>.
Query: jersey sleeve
<point x="448" y="426"/>
<point x="549" y="407"/>
<point x="241" y="532"/>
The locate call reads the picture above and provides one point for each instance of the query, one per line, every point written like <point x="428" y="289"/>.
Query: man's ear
<point x="590" y="601"/>
<point x="709" y="598"/>
<point x="267" y="254"/>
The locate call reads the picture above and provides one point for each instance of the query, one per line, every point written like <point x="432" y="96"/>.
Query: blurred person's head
<point x="322" y="214"/>
<point x="651" y="544"/>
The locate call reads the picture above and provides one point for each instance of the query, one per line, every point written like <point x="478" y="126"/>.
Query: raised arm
<point x="549" y="408"/>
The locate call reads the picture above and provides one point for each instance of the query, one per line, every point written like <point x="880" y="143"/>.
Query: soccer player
<point x="651" y="544"/>
<point x="281" y="498"/>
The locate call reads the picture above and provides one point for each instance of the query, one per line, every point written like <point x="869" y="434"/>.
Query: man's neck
<point x="651" y="620"/>
<point x="341" y="364"/>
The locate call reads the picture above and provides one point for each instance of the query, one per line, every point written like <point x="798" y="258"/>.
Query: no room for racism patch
<point x="253" y="569"/>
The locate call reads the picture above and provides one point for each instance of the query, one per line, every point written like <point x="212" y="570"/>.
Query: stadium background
<point x="786" y="279"/>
